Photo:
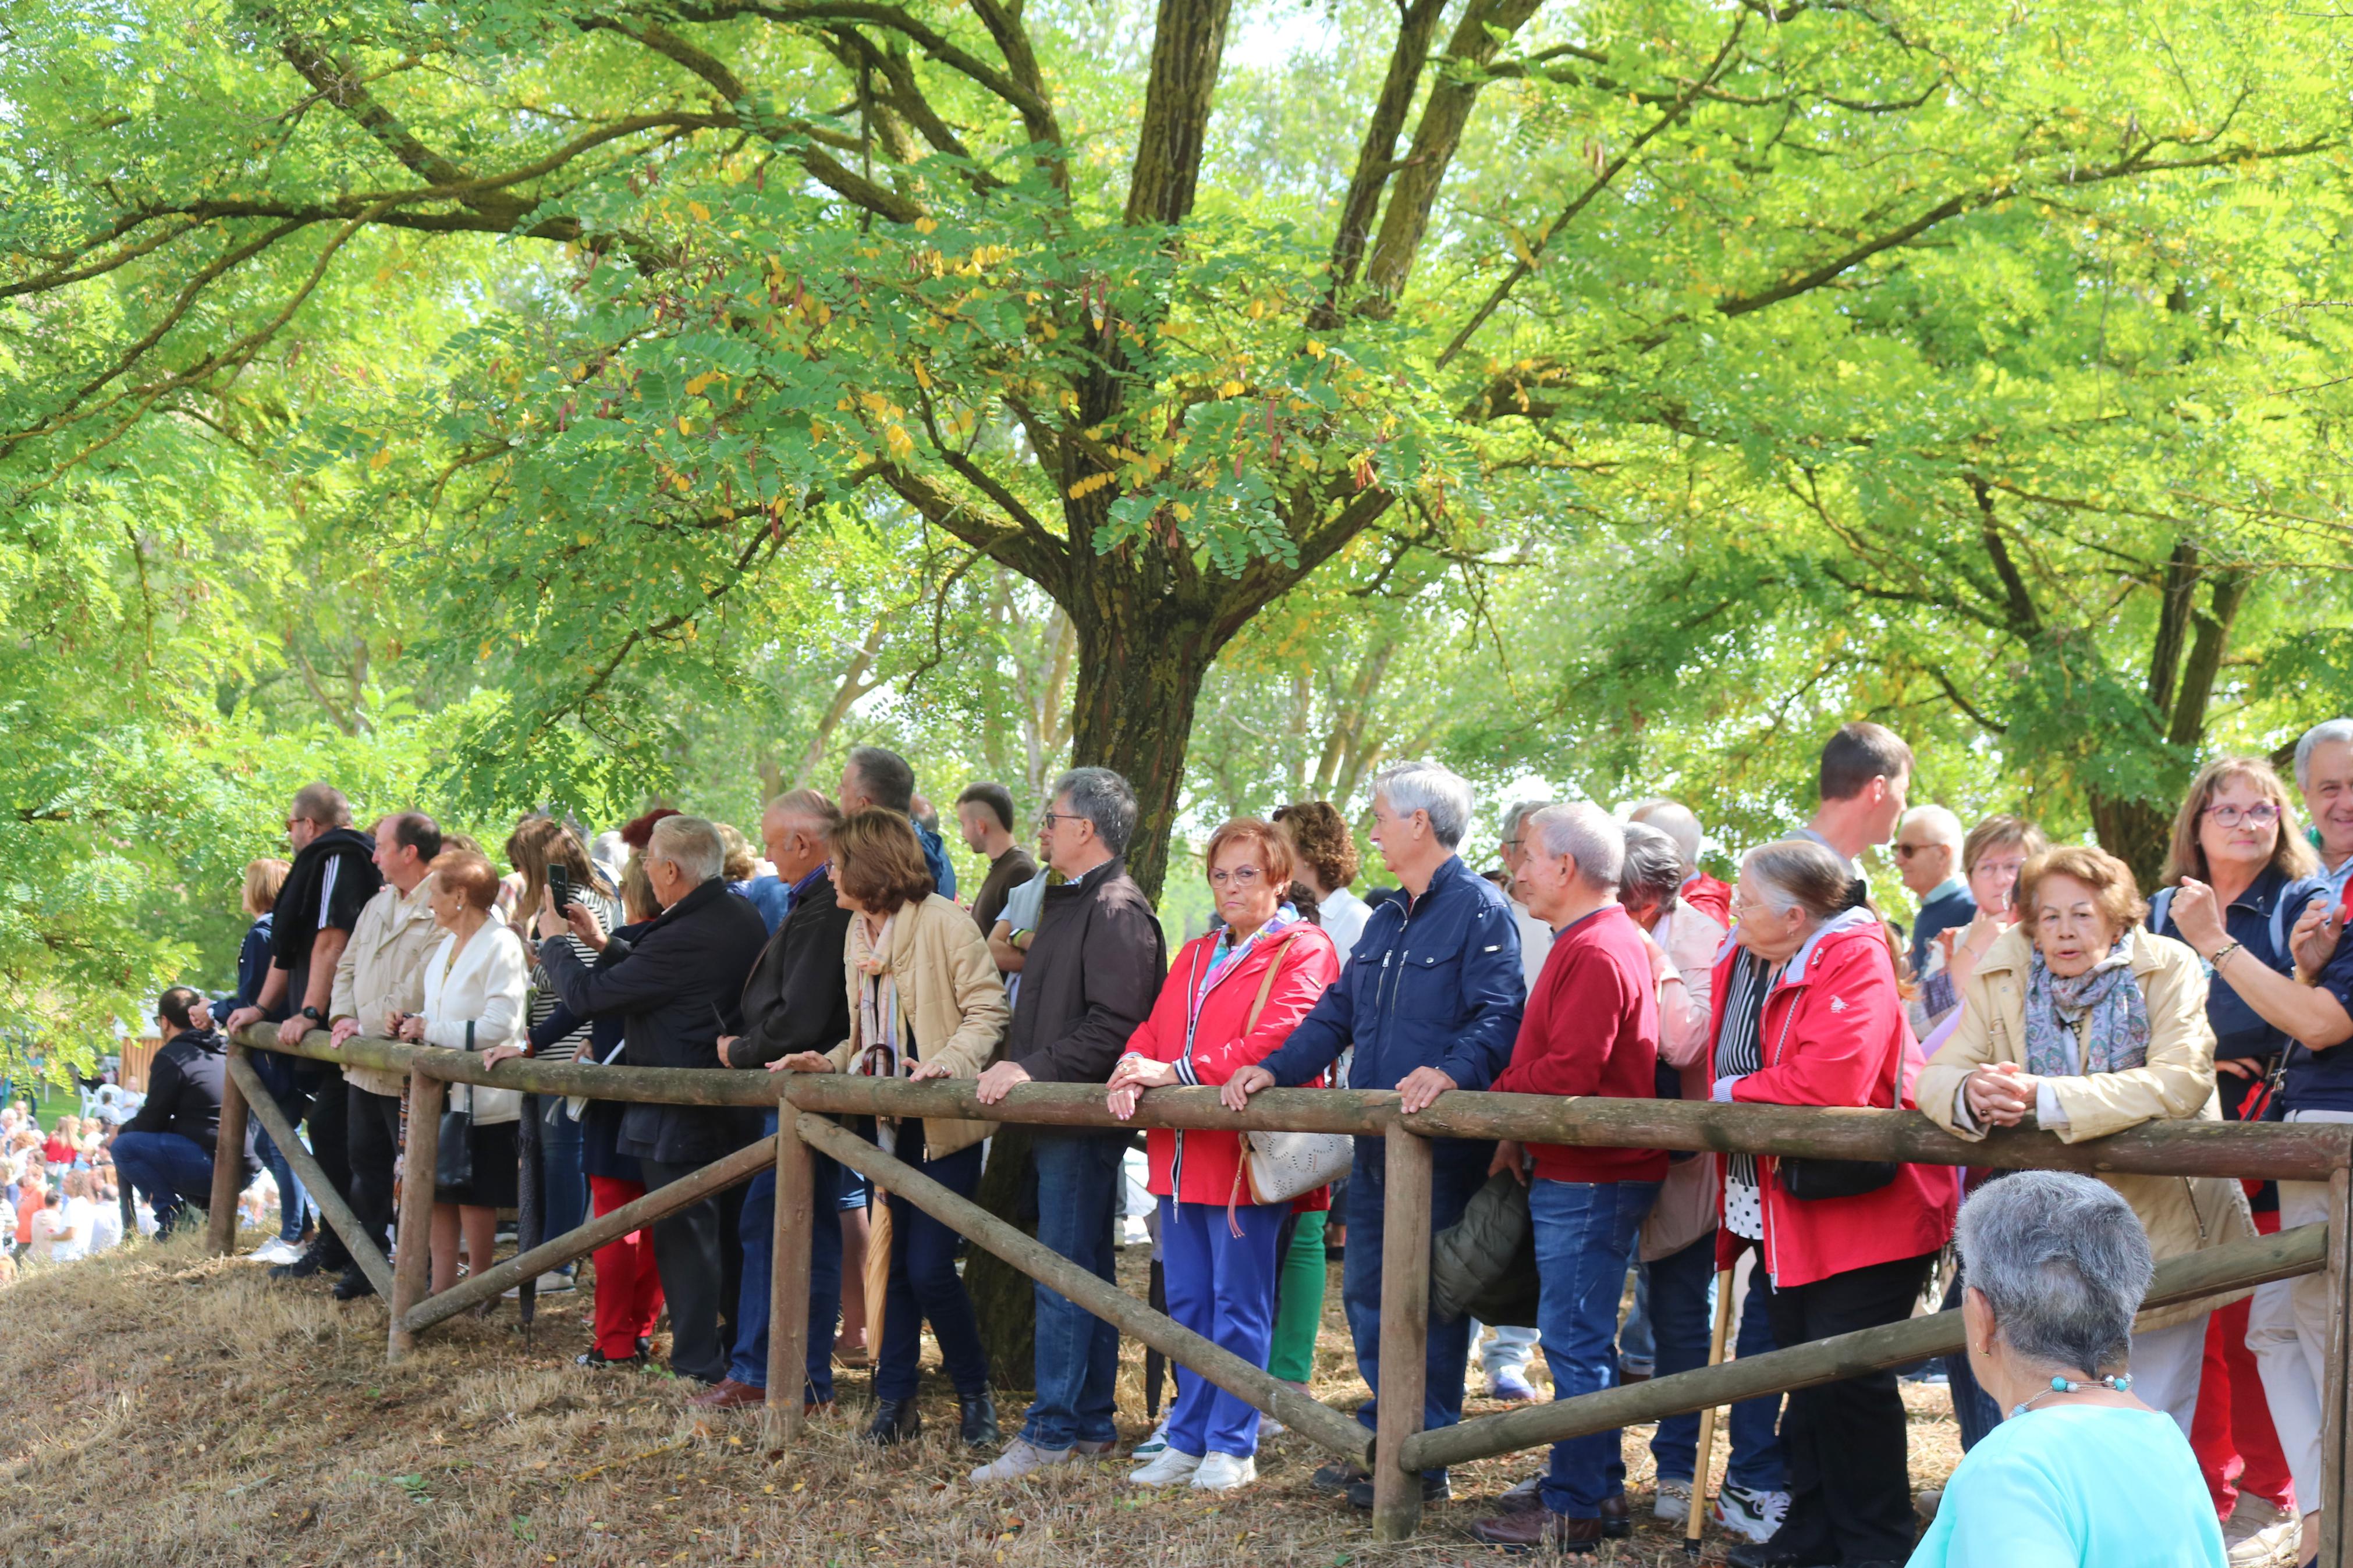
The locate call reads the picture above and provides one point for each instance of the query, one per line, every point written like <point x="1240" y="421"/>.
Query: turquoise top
<point x="2076" y="1485"/>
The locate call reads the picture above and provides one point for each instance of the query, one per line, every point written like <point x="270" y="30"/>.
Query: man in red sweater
<point x="1591" y="1027"/>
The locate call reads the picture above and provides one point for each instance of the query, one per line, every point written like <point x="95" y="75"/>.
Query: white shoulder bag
<point x="1281" y="1166"/>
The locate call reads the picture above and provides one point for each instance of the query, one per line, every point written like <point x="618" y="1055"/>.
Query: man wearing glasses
<point x="1928" y="858"/>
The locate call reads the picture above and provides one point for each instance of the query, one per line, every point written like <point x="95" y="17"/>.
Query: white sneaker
<point x="1224" y="1472"/>
<point x="1171" y="1467"/>
<point x="1753" y="1516"/>
<point x="1673" y="1505"/>
<point x="1021" y="1457"/>
<point x="276" y="1250"/>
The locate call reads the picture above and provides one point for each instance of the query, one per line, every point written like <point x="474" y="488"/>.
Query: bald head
<point x="1928" y="848"/>
<point x="1677" y="822"/>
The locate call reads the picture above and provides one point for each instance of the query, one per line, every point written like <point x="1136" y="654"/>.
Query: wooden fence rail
<point x="1401" y="1449"/>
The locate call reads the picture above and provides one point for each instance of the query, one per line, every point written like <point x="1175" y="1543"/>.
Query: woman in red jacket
<point x="1231" y="997"/>
<point x="1807" y="1012"/>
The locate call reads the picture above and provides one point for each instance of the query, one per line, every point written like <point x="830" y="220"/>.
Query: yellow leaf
<point x="701" y="214"/>
<point x="925" y="225"/>
<point x="1315" y="348"/>
<point x="1184" y="513"/>
<point x="382" y="456"/>
<point x="1230" y="389"/>
<point x="922" y="376"/>
<point x="684" y="427"/>
<point x="694" y="388"/>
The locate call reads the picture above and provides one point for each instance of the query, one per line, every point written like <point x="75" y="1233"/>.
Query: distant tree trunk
<point x="1003" y="1297"/>
<point x="1139" y="682"/>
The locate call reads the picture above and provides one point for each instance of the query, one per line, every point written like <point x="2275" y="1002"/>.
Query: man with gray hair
<point x="1928" y="858"/>
<point x="678" y="988"/>
<point x="2324" y="776"/>
<point x="1711" y="896"/>
<point x="1088" y="983"/>
<point x="1591" y="1028"/>
<point x="1430" y="999"/>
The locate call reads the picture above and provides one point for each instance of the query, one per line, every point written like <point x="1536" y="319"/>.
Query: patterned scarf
<point x="2117" y="1038"/>
<point x="1227" y="952"/>
<point x="877" y="1002"/>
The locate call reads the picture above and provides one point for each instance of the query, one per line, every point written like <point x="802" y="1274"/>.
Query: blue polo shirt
<point x="2239" y="1030"/>
<point x="2323" y="1080"/>
<point x="1949" y="904"/>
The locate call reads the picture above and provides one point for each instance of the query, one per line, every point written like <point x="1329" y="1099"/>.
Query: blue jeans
<point x="1585" y="1233"/>
<point x="564" y="1188"/>
<point x="1682" y="1291"/>
<point x="1079" y="1192"/>
<point x="1638" y="1340"/>
<point x="294" y="1205"/>
<point x="924" y="1287"/>
<point x="756" y="1230"/>
<point x="1221" y="1287"/>
<point x="1457" y="1170"/>
<point x="168" y="1168"/>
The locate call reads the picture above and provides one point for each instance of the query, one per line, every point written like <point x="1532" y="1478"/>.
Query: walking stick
<point x="1703" y="1465"/>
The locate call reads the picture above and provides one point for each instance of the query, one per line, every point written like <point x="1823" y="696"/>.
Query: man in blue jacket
<point x="1430" y="1001"/>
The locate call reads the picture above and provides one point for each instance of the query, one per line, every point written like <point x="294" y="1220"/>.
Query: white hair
<point x="1944" y="826"/>
<point x="1586" y="835"/>
<point x="692" y="845"/>
<point x="1677" y="821"/>
<point x="1409" y="787"/>
<point x="2334" y="731"/>
<point x="1515" y="816"/>
<point x="2063" y="1261"/>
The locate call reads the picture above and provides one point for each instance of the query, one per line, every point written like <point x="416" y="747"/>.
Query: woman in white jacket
<point x="475" y="986"/>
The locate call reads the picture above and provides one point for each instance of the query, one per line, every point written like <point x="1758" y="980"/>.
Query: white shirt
<point x="1536" y="944"/>
<point x="105" y="1225"/>
<point x="486" y="986"/>
<point x="1343" y="916"/>
<point x="73" y="1236"/>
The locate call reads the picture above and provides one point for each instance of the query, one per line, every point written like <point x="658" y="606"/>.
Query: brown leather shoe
<point x="1616" y="1522"/>
<point x="729" y="1395"/>
<point x="1536" y="1529"/>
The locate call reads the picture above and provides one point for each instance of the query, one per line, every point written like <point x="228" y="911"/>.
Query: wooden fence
<point x="1399" y="1449"/>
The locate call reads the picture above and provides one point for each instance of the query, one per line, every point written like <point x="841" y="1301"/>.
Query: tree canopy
<point x="511" y="404"/>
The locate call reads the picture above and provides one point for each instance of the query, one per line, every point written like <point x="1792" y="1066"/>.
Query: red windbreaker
<point x="1834" y="1034"/>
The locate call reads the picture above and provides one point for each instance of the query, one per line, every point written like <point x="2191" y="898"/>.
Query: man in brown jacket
<point x="1088" y="983"/>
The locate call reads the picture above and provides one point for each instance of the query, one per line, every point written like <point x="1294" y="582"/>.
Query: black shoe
<point x="977" y="1422"/>
<point x="302" y="1268"/>
<point x="1434" y="1488"/>
<point x="896" y="1421"/>
<point x="1766" y="1554"/>
<point x="1616" y="1525"/>
<point x="1338" y="1476"/>
<point x="352" y="1286"/>
<point x="592" y="1357"/>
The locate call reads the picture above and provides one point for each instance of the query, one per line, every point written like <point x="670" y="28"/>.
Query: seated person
<point x="2080" y="1471"/>
<point x="166" y="1150"/>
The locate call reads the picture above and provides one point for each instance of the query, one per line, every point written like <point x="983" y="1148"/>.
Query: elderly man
<point x="1591" y="1028"/>
<point x="1709" y="895"/>
<point x="333" y="878"/>
<point x="1865" y="775"/>
<point x="166" y="1150"/>
<point x="1928" y="858"/>
<point x="882" y="779"/>
<point x="1430" y="999"/>
<point x="1087" y="984"/>
<point x="679" y="988"/>
<point x="794" y="1001"/>
<point x="1506" y="1357"/>
<point x="2323" y="775"/>
<point x="381" y="971"/>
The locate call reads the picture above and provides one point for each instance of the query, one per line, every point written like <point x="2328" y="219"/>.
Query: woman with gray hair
<point x="2082" y="1472"/>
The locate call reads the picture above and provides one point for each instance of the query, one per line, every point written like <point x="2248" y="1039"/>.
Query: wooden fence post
<point x="228" y="1167"/>
<point x="1404" y="1331"/>
<point x="412" y="1262"/>
<point x="788" y="1282"/>
<point x="2335" y="1394"/>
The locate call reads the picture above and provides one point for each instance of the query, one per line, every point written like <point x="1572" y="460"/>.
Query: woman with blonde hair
<point x="925" y="1002"/>
<point x="296" y="1214"/>
<point x="475" y="986"/>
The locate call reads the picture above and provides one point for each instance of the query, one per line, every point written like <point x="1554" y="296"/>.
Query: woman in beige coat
<point x="2078" y="1021"/>
<point x="925" y="1001"/>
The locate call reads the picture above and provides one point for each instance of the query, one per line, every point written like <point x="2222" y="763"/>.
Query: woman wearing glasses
<point x="925" y="1002"/>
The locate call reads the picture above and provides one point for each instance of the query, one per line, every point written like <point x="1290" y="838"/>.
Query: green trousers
<point x="1300" y="1313"/>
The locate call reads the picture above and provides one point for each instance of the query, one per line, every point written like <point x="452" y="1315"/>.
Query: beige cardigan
<point x="2181" y="1214"/>
<point x="953" y="999"/>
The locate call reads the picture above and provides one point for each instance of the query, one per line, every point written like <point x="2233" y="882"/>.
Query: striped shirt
<point x="1739" y="1051"/>
<point x="542" y="991"/>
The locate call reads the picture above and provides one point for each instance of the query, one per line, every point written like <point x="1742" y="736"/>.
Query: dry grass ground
<point x="159" y="1407"/>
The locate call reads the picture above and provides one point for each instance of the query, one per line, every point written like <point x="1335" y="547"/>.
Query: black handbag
<point x="1809" y="1179"/>
<point x="453" y="1162"/>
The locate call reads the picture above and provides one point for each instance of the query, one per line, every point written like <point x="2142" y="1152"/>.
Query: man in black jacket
<point x="678" y="992"/>
<point x="166" y="1150"/>
<point x="1089" y="981"/>
<point x="333" y="876"/>
<point x="797" y="1000"/>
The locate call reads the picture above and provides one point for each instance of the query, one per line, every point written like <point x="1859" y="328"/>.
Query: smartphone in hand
<point x="559" y="886"/>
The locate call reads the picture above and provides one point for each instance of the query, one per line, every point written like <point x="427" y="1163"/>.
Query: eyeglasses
<point x="1240" y="877"/>
<point x="1905" y="851"/>
<point x="1046" y="819"/>
<point x="2262" y="816"/>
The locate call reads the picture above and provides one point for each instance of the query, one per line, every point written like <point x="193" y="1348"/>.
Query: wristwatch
<point x="313" y="1015"/>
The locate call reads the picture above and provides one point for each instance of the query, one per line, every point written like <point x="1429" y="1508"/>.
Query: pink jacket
<point x="1198" y="1167"/>
<point x="1834" y="1034"/>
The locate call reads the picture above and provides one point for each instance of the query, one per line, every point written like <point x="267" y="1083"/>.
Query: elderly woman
<point x="1231" y="997"/>
<point x="476" y="984"/>
<point x="925" y="1002"/>
<point x="2083" y="1471"/>
<point x="1807" y="1012"/>
<point x="1992" y="856"/>
<point x="2082" y="1023"/>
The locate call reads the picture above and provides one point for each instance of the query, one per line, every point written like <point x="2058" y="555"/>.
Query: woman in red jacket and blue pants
<point x="1808" y="1013"/>
<point x="1231" y="997"/>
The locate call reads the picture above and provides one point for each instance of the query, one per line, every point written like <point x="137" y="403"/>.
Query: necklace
<point x="2120" y="1382"/>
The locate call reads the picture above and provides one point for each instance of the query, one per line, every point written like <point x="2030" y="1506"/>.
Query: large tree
<point x="742" y="272"/>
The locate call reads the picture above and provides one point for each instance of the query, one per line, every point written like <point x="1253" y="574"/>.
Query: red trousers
<point x="2236" y="1447"/>
<point x="628" y="1290"/>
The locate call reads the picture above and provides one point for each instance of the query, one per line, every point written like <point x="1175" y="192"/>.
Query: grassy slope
<point x="159" y="1407"/>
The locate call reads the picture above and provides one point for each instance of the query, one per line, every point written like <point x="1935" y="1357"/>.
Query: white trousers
<point x="2287" y="1328"/>
<point x="2167" y="1366"/>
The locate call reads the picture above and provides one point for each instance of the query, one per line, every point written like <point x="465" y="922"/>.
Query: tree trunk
<point x="1139" y="682"/>
<point x="1003" y="1297"/>
<point x="2134" y="831"/>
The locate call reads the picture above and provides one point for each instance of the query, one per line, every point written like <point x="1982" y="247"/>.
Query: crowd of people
<point x="2037" y="987"/>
